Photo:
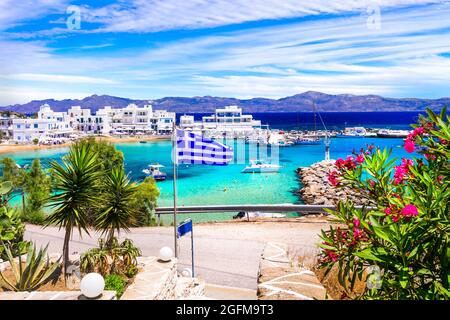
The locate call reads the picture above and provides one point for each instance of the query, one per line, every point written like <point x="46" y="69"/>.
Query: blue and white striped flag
<point x="195" y="149"/>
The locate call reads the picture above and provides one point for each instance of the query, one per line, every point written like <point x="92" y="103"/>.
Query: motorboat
<point x="388" y="133"/>
<point x="307" y="141"/>
<point x="354" y="132"/>
<point x="258" y="166"/>
<point x="154" y="170"/>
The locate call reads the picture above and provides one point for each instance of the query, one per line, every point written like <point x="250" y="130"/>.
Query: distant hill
<point x="299" y="102"/>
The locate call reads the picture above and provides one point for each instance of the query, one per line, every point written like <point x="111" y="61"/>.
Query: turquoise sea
<point x="198" y="185"/>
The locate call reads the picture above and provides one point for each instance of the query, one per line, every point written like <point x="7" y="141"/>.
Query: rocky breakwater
<point x="318" y="190"/>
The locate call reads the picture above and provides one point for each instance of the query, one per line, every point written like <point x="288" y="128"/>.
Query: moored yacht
<point x="388" y="133"/>
<point x="258" y="166"/>
<point x="154" y="170"/>
<point x="307" y="141"/>
<point x="353" y="132"/>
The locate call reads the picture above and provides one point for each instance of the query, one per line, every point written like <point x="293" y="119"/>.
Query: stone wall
<point x="317" y="190"/>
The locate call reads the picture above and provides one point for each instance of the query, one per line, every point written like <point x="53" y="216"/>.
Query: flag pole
<point x="174" y="160"/>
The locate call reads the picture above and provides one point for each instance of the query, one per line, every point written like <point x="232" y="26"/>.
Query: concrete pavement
<point x="226" y="253"/>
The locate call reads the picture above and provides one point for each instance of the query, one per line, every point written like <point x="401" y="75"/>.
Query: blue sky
<point x="235" y="48"/>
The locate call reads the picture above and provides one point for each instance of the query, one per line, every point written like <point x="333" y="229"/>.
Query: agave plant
<point x="95" y="260"/>
<point x="129" y="252"/>
<point x="36" y="271"/>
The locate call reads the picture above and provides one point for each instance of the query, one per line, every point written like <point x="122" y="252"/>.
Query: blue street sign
<point x="184" y="228"/>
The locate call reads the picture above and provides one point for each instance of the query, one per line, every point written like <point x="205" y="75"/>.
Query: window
<point x="36" y="126"/>
<point x="18" y="126"/>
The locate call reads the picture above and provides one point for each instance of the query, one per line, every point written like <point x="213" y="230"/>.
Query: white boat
<point x="154" y="171"/>
<point x="388" y="133"/>
<point x="279" y="139"/>
<point x="258" y="166"/>
<point x="353" y="132"/>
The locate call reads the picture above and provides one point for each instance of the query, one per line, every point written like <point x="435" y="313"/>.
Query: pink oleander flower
<point x="359" y="158"/>
<point x="440" y="179"/>
<point x="372" y="183"/>
<point x="430" y="156"/>
<point x="356" y="222"/>
<point x="399" y="174"/>
<point x="409" y="146"/>
<point x="418" y="132"/>
<point x="358" y="233"/>
<point x="332" y="178"/>
<point x="406" y="163"/>
<point x="388" y="211"/>
<point x="350" y="163"/>
<point x="410" y="210"/>
<point x="339" y="163"/>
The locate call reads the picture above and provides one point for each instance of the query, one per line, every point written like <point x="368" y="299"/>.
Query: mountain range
<point x="303" y="102"/>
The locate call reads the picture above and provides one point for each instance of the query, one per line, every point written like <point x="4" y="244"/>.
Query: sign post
<point x="183" y="229"/>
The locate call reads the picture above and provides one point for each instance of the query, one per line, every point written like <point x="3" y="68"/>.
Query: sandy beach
<point x="13" y="148"/>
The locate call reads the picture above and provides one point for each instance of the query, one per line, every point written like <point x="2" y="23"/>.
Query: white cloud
<point x="157" y="15"/>
<point x="13" y="12"/>
<point x="333" y="55"/>
<point x="58" y="78"/>
<point x="21" y="94"/>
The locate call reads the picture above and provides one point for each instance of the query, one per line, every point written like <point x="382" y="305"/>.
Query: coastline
<point x="13" y="148"/>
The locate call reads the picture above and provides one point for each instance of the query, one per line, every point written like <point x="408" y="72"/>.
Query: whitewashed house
<point x="48" y="124"/>
<point x="6" y="126"/>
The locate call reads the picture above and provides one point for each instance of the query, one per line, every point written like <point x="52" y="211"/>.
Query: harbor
<point x="269" y="150"/>
<point x="211" y="185"/>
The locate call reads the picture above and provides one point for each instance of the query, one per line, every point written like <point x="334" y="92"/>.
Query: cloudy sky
<point x="236" y="48"/>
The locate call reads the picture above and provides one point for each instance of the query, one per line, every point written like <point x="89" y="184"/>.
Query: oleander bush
<point x="400" y="246"/>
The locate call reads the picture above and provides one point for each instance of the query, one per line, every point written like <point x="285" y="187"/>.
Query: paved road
<point x="226" y="254"/>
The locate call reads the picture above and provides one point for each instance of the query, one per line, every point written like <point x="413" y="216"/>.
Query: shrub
<point x="116" y="283"/>
<point x="111" y="257"/>
<point x="34" y="217"/>
<point x="11" y="232"/>
<point x="401" y="243"/>
<point x="144" y="201"/>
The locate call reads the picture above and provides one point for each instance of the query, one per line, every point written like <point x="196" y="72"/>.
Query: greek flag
<point x="195" y="149"/>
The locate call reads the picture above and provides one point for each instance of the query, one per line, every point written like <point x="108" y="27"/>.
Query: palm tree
<point x="76" y="185"/>
<point x="117" y="213"/>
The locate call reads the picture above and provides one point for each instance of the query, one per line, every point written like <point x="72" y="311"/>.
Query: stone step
<point x="219" y="292"/>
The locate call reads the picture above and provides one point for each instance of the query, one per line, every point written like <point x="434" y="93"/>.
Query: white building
<point x="228" y="119"/>
<point x="133" y="119"/>
<point x="48" y="124"/>
<point x="6" y="126"/>
<point x="129" y="120"/>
